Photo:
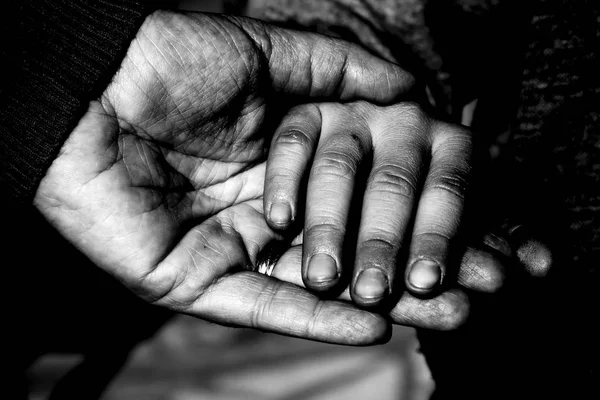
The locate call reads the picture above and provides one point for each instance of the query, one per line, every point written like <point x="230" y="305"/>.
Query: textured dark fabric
<point x="57" y="55"/>
<point x="60" y="54"/>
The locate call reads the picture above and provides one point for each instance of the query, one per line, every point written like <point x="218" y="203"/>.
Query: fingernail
<point x="322" y="268"/>
<point x="281" y="213"/>
<point x="425" y="274"/>
<point x="371" y="284"/>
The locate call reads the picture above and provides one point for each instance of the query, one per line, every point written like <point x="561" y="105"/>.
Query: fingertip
<point x="383" y="331"/>
<point x="322" y="272"/>
<point x="447" y="311"/>
<point x="532" y="252"/>
<point x="368" y="329"/>
<point x="391" y="82"/>
<point x="457" y="315"/>
<point x="280" y="215"/>
<point x="370" y="288"/>
<point x="481" y="270"/>
<point x="536" y="257"/>
<point x="424" y="276"/>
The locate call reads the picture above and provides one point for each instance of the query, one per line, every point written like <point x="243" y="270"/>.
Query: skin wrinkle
<point x="238" y="221"/>
<point x="181" y="112"/>
<point x="316" y="313"/>
<point x="179" y="38"/>
<point x="203" y="206"/>
<point x="205" y="241"/>
<point x="243" y="190"/>
<point x="194" y="289"/>
<point x="248" y="64"/>
<point x="209" y="173"/>
<point x="437" y="232"/>
<point x="414" y="120"/>
<point x="155" y="298"/>
<point x="137" y="85"/>
<point x="378" y="238"/>
<point x="475" y="273"/>
<point x="339" y="85"/>
<point x="309" y="71"/>
<point x="446" y="314"/>
<point x="220" y="93"/>
<point x="124" y="162"/>
<point x="263" y="302"/>
<point x="394" y="179"/>
<point x="337" y="163"/>
<point x="292" y="55"/>
<point x="227" y="36"/>
<point x="454" y="184"/>
<point x="144" y="156"/>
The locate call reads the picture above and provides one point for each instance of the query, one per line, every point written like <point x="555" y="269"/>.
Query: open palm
<point x="161" y="182"/>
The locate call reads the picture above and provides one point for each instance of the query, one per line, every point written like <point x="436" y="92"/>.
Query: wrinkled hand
<point x="161" y="182"/>
<point x="416" y="172"/>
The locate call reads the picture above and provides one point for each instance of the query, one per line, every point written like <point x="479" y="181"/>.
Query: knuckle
<point x="412" y="113"/>
<point x="322" y="228"/>
<point x="264" y="305"/>
<point x="293" y="137"/>
<point x="337" y="163"/>
<point x="454" y="139"/>
<point x="168" y="290"/>
<point x="454" y="183"/>
<point x="394" y="179"/>
<point x="431" y="238"/>
<point x="382" y="240"/>
<point x="282" y="178"/>
<point x="311" y="329"/>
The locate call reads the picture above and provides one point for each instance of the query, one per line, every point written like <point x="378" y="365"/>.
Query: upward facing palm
<point x="161" y="181"/>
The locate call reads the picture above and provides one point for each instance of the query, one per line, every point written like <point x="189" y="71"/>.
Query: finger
<point x="196" y="278"/>
<point x="447" y="311"/>
<point x="481" y="270"/>
<point x="291" y="151"/>
<point x="532" y="252"/>
<point x="257" y="301"/>
<point x="224" y="243"/>
<point x="388" y="204"/>
<point x="342" y="146"/>
<point x="308" y="64"/>
<point x="498" y="243"/>
<point x="288" y="268"/>
<point x="440" y="208"/>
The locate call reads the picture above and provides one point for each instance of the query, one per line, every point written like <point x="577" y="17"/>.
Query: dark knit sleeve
<point x="59" y="54"/>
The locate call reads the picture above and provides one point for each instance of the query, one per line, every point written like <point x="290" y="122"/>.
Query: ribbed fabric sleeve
<point x="59" y="54"/>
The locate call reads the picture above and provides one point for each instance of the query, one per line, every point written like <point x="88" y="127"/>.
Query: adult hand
<point x="416" y="171"/>
<point x="160" y="184"/>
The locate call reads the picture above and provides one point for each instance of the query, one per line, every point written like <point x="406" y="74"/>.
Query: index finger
<point x="254" y="300"/>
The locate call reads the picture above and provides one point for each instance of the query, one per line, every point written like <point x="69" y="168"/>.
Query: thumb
<point x="310" y="64"/>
